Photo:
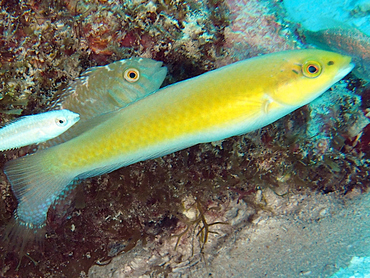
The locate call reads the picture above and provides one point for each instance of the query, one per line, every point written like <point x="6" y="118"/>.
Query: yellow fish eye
<point x="311" y="69"/>
<point x="131" y="75"/>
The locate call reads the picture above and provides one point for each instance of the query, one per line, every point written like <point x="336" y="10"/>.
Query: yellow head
<point x="305" y="75"/>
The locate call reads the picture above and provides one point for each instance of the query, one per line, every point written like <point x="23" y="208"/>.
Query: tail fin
<point x="36" y="181"/>
<point x="19" y="238"/>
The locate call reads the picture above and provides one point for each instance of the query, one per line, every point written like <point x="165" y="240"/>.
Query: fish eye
<point x="61" y="121"/>
<point x="311" y="69"/>
<point x="131" y="75"/>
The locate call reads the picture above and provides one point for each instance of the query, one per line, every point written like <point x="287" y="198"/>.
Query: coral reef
<point x="44" y="45"/>
<point x="253" y="22"/>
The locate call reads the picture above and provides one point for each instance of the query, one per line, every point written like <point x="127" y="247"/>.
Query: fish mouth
<point x="158" y="64"/>
<point x="344" y="71"/>
<point x="160" y="72"/>
<point x="155" y="68"/>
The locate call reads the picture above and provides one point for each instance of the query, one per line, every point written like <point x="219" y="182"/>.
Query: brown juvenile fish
<point x="107" y="88"/>
<point x="346" y="40"/>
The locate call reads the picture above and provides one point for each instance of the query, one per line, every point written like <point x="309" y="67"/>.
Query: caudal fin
<point x="37" y="182"/>
<point x="20" y="239"/>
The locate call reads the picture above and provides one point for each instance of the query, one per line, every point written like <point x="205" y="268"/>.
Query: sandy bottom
<point x="303" y="235"/>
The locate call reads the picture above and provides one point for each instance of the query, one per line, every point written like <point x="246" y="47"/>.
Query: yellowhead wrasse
<point x="229" y="101"/>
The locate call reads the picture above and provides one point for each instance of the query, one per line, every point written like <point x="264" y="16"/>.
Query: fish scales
<point x="225" y="102"/>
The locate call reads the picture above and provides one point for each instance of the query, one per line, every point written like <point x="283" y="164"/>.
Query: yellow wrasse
<point x="229" y="101"/>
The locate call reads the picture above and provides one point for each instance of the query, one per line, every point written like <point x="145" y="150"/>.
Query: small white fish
<point x="37" y="128"/>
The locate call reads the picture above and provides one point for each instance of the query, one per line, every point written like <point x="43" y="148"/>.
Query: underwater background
<point x="288" y="200"/>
